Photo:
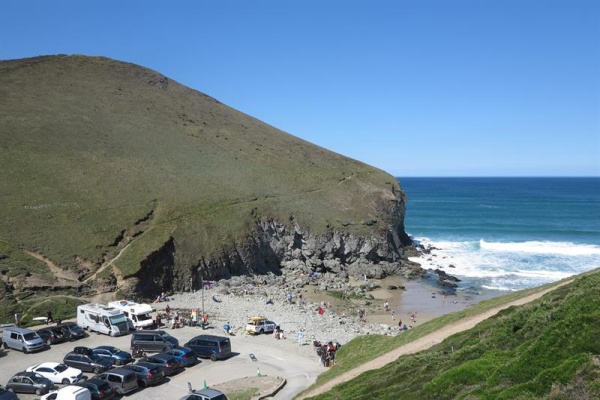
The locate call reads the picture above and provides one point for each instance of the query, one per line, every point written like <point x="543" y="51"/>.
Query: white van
<point x="70" y="392"/>
<point x="140" y="315"/>
<point x="102" y="319"/>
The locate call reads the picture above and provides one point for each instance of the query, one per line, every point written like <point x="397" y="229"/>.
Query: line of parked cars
<point x="116" y="372"/>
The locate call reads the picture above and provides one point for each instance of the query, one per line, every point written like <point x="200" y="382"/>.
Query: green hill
<point x="547" y="349"/>
<point x="117" y="177"/>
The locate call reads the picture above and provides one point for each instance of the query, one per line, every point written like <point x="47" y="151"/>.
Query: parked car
<point x="205" y="394"/>
<point x="29" y="382"/>
<point x="147" y="374"/>
<point x="52" y="335"/>
<point x="210" y="346"/>
<point x="87" y="362"/>
<point x="57" y="373"/>
<point x="72" y="330"/>
<point x="153" y="341"/>
<point x="116" y="355"/>
<point x="169" y="363"/>
<point x="184" y="355"/>
<point x="258" y="325"/>
<point x="7" y="394"/>
<point x="70" y="392"/>
<point x="122" y="380"/>
<point x="22" y="339"/>
<point x="100" y="390"/>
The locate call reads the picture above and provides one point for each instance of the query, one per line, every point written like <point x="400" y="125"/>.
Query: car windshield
<point x="37" y="378"/>
<point x="30" y="336"/>
<point x="112" y="350"/>
<point x="166" y="335"/>
<point x="61" y="368"/>
<point x="144" y="317"/>
<point x="118" y="319"/>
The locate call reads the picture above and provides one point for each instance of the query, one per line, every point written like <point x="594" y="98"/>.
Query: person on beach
<point x="386" y="305"/>
<point x="393" y="315"/>
<point x="49" y="317"/>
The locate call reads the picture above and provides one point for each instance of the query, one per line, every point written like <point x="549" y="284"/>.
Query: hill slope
<point x="546" y="349"/>
<point x="122" y="178"/>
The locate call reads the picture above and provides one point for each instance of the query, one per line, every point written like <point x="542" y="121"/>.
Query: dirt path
<point x="423" y="343"/>
<point x="56" y="271"/>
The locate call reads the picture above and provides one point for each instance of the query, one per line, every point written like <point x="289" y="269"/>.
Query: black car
<point x="169" y="363"/>
<point x="7" y="394"/>
<point x="148" y="374"/>
<point x="72" y="330"/>
<point x="87" y="362"/>
<point x="52" y="335"/>
<point x="116" y="355"/>
<point x="100" y="390"/>
<point x="29" y="382"/>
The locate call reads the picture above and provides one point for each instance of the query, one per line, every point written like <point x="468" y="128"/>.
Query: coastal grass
<point x="545" y="349"/>
<point x="99" y="156"/>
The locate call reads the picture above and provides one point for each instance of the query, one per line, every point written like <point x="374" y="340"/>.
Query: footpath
<point x="423" y="343"/>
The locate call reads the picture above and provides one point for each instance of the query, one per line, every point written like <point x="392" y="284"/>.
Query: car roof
<point x="209" y="337"/>
<point x="49" y="364"/>
<point x="146" y="365"/>
<point x="26" y="373"/>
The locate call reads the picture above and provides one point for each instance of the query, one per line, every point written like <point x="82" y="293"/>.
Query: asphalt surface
<point x="274" y="358"/>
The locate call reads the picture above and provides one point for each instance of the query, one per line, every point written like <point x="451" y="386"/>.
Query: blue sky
<point x="416" y="88"/>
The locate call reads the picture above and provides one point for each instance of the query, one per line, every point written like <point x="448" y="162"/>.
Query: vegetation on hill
<point x="547" y="349"/>
<point x="107" y="166"/>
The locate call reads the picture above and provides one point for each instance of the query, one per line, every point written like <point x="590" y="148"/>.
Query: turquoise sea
<point x="505" y="233"/>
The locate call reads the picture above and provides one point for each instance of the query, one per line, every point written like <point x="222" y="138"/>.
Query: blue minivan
<point x="210" y="346"/>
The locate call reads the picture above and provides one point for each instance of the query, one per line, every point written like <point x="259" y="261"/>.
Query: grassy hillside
<point x="548" y="349"/>
<point x="97" y="153"/>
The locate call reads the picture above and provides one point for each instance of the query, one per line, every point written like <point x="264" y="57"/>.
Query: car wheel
<point x="25" y="351"/>
<point x="144" y="384"/>
<point x="96" y="370"/>
<point x="260" y="332"/>
<point x="5" y="346"/>
<point x="38" y="392"/>
<point x="213" y="357"/>
<point x="65" y="381"/>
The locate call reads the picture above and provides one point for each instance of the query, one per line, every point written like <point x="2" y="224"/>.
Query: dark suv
<point x="100" y="390"/>
<point x="72" y="330"/>
<point x="52" y="335"/>
<point x="87" y="362"/>
<point x="169" y="363"/>
<point x="147" y="374"/>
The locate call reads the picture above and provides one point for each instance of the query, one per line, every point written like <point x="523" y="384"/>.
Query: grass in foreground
<point x="546" y="349"/>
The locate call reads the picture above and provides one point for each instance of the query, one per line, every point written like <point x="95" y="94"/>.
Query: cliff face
<point x="119" y="179"/>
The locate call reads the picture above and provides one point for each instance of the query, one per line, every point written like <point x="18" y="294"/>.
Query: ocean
<point x="505" y="234"/>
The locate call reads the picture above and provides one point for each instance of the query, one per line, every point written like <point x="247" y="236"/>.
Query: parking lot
<point x="274" y="358"/>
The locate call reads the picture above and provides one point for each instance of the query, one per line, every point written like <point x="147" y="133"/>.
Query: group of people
<point x="326" y="351"/>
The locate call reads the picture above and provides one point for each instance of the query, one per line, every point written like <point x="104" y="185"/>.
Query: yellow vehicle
<point x="259" y="324"/>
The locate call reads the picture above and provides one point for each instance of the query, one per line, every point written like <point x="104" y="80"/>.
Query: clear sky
<point x="416" y="88"/>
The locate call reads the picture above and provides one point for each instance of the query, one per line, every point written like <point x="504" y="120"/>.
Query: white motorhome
<point x="102" y="319"/>
<point x="140" y="315"/>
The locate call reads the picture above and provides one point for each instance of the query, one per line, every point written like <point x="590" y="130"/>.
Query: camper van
<point x="140" y="315"/>
<point x="102" y="319"/>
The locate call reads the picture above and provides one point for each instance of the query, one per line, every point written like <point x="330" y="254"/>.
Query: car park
<point x="87" y="362"/>
<point x="205" y="394"/>
<point x="258" y="325"/>
<point x="51" y="335"/>
<point x="122" y="380"/>
<point x="57" y="373"/>
<point x="72" y="330"/>
<point x="29" y="382"/>
<point x="100" y="390"/>
<point x="169" y="363"/>
<point x="116" y="355"/>
<point x="210" y="346"/>
<point x="70" y="392"/>
<point x="184" y="355"/>
<point x="6" y="394"/>
<point x="153" y="341"/>
<point x="147" y="374"/>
